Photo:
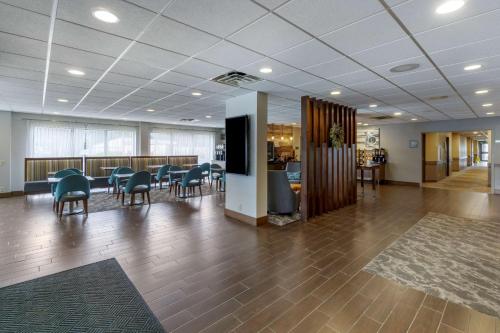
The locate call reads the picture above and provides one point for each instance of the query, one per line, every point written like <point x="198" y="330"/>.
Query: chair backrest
<point x="293" y="167"/>
<point x="64" y="173"/>
<point x="75" y="170"/>
<point x="205" y="167"/>
<point x="123" y="170"/>
<point x="138" y="178"/>
<point x="193" y="174"/>
<point x="163" y="171"/>
<point x="215" y="166"/>
<point x="72" y="183"/>
<point x="280" y="197"/>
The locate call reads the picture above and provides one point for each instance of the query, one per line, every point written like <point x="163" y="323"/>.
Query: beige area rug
<point x="457" y="259"/>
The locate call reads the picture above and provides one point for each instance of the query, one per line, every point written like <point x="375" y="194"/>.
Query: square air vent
<point x="236" y="79"/>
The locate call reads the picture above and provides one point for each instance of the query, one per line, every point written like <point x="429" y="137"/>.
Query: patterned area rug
<point x="103" y="201"/>
<point x="281" y="220"/>
<point x="94" y="298"/>
<point x="453" y="258"/>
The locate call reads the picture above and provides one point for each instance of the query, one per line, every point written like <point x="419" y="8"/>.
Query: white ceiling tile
<point x="271" y="4"/>
<point x="467" y="52"/>
<point x="201" y="68"/>
<point x="388" y="53"/>
<point x="153" y="5"/>
<point x="23" y="45"/>
<point x="421" y="15"/>
<point x="78" y="37"/>
<point x="365" y="34"/>
<point x="79" y="58"/>
<point x="456" y="34"/>
<point x="307" y="54"/>
<point x="355" y="77"/>
<point x="133" y="19"/>
<point x="334" y="68"/>
<point x="39" y="6"/>
<point x="154" y="57"/>
<point x="416" y="77"/>
<point x="180" y="79"/>
<point x="295" y="79"/>
<point x="23" y="62"/>
<point x="277" y="67"/>
<point x="177" y="37"/>
<point x="269" y="35"/>
<point x="136" y="69"/>
<point x="220" y="18"/>
<point x="23" y="22"/>
<point x="322" y="16"/>
<point x="229" y="55"/>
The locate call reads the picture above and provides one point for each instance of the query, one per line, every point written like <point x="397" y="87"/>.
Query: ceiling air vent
<point x="437" y="98"/>
<point x="187" y="120"/>
<point x="382" y="117"/>
<point x="236" y="79"/>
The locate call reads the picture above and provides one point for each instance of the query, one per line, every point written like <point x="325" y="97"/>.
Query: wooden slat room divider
<point x="328" y="173"/>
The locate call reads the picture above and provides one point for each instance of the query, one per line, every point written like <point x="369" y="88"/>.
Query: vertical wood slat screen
<point x="328" y="173"/>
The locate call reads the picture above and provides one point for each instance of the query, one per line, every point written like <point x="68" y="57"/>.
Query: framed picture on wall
<point x="368" y="139"/>
<point x="413" y="144"/>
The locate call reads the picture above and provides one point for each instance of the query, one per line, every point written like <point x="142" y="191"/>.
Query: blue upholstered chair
<point x="72" y="188"/>
<point x="205" y="170"/>
<point x="281" y="199"/>
<point x="118" y="182"/>
<point x="111" y="178"/>
<point x="192" y="179"/>
<point x="75" y="170"/>
<point x="163" y="174"/>
<point x="174" y="179"/>
<point x="140" y="182"/>
<point x="60" y="174"/>
<point x="214" y="175"/>
<point x="293" y="170"/>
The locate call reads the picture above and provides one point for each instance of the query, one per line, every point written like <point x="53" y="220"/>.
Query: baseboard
<point x="255" y="221"/>
<point x="11" y="194"/>
<point x="396" y="182"/>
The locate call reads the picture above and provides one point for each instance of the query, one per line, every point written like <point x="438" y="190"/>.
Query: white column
<point x="5" y="151"/>
<point x="246" y="196"/>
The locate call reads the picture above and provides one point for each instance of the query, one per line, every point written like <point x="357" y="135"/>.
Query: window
<point x="65" y="139"/>
<point x="183" y="142"/>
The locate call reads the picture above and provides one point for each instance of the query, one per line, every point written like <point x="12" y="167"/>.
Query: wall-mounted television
<point x="237" y="145"/>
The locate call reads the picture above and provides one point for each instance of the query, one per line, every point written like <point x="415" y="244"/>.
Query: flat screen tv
<point x="237" y="145"/>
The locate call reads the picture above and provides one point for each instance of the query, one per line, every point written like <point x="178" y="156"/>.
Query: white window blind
<point x="183" y="142"/>
<point x="66" y="139"/>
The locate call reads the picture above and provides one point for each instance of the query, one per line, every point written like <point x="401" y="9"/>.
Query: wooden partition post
<point x="328" y="173"/>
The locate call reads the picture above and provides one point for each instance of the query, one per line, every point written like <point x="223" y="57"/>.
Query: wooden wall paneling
<point x="319" y="150"/>
<point x="341" y="160"/>
<point x="305" y="140"/>
<point x="353" y="157"/>
<point x="315" y="205"/>
<point x="324" y="153"/>
<point x="329" y="165"/>
<point x="336" y="162"/>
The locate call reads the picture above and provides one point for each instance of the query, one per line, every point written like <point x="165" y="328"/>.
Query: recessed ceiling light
<point x="414" y="119"/>
<point x="365" y="124"/>
<point x="487" y="105"/>
<point x="208" y="116"/>
<point x="404" y="68"/>
<point x="397" y="113"/>
<point x="482" y="92"/>
<point x="150" y="110"/>
<point x="373" y="105"/>
<point x="105" y="16"/>
<point x="76" y="72"/>
<point x="450" y="6"/>
<point x="335" y="92"/>
<point x="472" y="67"/>
<point x="474" y="132"/>
<point x="490" y="113"/>
<point x="196" y="93"/>
<point x="62" y="100"/>
<point x="266" y="70"/>
<point x="55" y="112"/>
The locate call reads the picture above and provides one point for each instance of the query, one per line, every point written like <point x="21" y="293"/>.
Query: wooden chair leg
<point x="149" y="199"/>
<point x="160" y="184"/>
<point x="132" y="199"/>
<point x="61" y="209"/>
<point x="123" y="198"/>
<point x="86" y="206"/>
<point x="54" y="204"/>
<point x="143" y="197"/>
<point x="118" y="193"/>
<point x="56" y="207"/>
<point x="199" y="186"/>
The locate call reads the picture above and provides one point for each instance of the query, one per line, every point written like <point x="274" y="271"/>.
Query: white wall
<point x="248" y="194"/>
<point x="16" y="134"/>
<point x="5" y="151"/>
<point x="405" y="164"/>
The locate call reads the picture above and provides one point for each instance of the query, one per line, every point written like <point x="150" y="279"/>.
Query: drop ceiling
<point x="162" y="51"/>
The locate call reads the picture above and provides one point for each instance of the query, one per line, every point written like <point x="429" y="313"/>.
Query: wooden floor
<point x="471" y="179"/>
<point x="200" y="271"/>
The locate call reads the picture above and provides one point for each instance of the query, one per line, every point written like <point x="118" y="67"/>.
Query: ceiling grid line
<point x="49" y="50"/>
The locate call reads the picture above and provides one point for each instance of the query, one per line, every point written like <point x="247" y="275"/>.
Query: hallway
<point x="471" y="179"/>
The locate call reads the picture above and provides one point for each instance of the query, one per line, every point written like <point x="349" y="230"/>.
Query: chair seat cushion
<point x="293" y="175"/>
<point x="137" y="189"/>
<point x="78" y="195"/>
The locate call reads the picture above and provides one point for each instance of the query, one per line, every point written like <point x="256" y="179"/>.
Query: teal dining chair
<point x="140" y="182"/>
<point x="75" y="170"/>
<point x="59" y="174"/>
<point x="111" y="178"/>
<point x="214" y="175"/>
<point x="192" y="180"/>
<point x="205" y="170"/>
<point x="162" y="174"/>
<point x="72" y="188"/>
<point x="174" y="179"/>
<point x="118" y="182"/>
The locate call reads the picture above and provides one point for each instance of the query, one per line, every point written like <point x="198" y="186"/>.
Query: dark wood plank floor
<point x="200" y="271"/>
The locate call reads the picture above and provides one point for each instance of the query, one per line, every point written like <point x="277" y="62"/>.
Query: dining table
<point x="70" y="210"/>
<point x="108" y="169"/>
<point x="373" y="167"/>
<point x="219" y="187"/>
<point x="190" y="165"/>
<point x="182" y="174"/>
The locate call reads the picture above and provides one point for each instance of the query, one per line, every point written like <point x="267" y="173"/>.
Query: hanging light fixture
<point x="282" y="137"/>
